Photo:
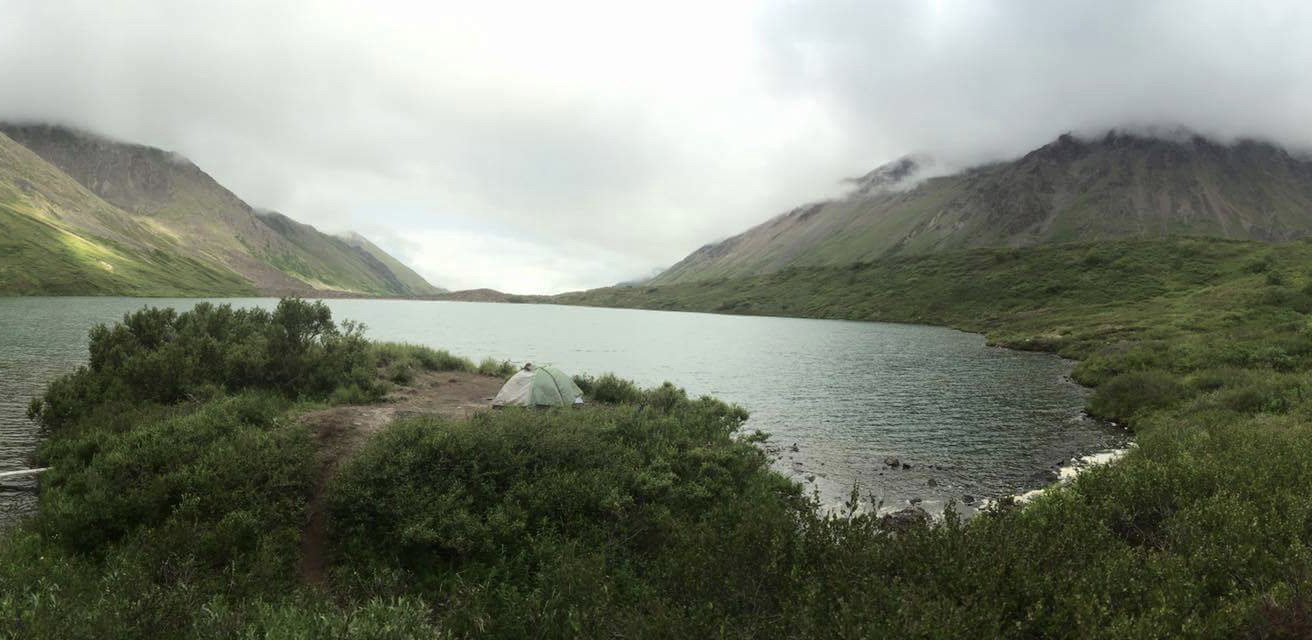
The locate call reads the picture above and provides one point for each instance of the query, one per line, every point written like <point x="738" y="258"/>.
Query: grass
<point x="173" y="512"/>
<point x="39" y="257"/>
<point x="400" y="362"/>
<point x="1073" y="299"/>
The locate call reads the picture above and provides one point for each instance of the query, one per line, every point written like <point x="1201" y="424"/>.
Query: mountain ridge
<point x="398" y="268"/>
<point x="56" y="237"/>
<point x="137" y="186"/>
<point x="1118" y="185"/>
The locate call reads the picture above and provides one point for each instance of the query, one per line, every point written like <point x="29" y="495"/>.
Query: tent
<point x="538" y="387"/>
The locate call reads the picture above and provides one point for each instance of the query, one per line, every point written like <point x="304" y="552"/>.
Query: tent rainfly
<point x="538" y="387"/>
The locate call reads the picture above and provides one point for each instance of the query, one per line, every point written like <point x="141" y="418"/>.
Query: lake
<point x="967" y="418"/>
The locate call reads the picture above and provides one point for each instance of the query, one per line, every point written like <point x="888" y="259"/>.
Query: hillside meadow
<point x="182" y="477"/>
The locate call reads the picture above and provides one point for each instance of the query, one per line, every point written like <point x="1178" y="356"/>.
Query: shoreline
<point x="1070" y="471"/>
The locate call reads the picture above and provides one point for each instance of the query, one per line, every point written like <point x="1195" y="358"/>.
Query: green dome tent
<point x="538" y="387"/>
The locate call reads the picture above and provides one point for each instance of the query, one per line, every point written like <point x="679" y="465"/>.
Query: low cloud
<point x="971" y="81"/>
<point x="585" y="143"/>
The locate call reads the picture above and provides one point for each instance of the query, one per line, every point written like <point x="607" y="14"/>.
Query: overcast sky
<point x="543" y="146"/>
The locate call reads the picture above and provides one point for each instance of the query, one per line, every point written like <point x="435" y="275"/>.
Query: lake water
<point x="970" y="418"/>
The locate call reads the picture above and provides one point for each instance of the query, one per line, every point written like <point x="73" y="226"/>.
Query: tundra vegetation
<point x="181" y="477"/>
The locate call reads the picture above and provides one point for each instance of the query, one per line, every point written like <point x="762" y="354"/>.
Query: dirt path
<point x="340" y="431"/>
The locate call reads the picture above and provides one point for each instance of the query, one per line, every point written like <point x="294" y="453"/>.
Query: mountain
<point x="405" y="274"/>
<point x="179" y="210"/>
<point x="56" y="237"/>
<point x="1072" y="190"/>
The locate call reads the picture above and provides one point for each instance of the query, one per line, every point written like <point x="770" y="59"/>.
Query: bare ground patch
<point x="341" y="431"/>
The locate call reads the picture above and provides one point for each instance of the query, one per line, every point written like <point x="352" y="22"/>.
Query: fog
<point x="539" y="147"/>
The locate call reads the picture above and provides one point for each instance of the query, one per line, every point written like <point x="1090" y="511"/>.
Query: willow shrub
<point x="144" y="520"/>
<point x="608" y="388"/>
<point x="162" y="356"/>
<point x="1128" y="394"/>
<point x="566" y="521"/>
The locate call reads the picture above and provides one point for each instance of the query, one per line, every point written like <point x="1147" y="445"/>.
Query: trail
<point x="341" y="431"/>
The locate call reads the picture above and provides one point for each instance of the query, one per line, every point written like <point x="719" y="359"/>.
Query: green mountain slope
<point x="405" y="274"/>
<point x="329" y="261"/>
<point x="148" y="187"/>
<point x="1072" y="190"/>
<point x="58" y="238"/>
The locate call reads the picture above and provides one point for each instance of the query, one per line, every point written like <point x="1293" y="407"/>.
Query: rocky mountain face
<point x="58" y="238"/>
<point x="166" y="195"/>
<point x="1071" y="190"/>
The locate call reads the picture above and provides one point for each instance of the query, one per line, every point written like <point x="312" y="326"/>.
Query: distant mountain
<point x="1115" y="186"/>
<point x="405" y="274"/>
<point x="487" y="295"/>
<point x="640" y="281"/>
<point x="133" y="196"/>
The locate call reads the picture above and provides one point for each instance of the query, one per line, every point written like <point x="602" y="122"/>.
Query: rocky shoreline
<point x="901" y="517"/>
<point x="913" y="507"/>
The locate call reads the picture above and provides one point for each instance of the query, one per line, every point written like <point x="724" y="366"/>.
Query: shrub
<point x="146" y="517"/>
<point x="374" y="619"/>
<point x="566" y="522"/>
<point x="1126" y="395"/>
<point x="160" y="356"/>
<point x="400" y="361"/>
<point x="665" y="397"/>
<point x="1256" y="399"/>
<point x="609" y="389"/>
<point x="394" y="354"/>
<point x="176" y="464"/>
<point x="496" y="368"/>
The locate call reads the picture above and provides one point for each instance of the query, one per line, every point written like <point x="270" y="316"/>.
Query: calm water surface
<point x="974" y="419"/>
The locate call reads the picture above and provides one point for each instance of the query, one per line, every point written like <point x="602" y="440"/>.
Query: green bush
<point x="161" y="356"/>
<point x="609" y="389"/>
<point x="566" y="522"/>
<point x="143" y="520"/>
<point x="1126" y="395"/>
<point x="497" y="368"/>
<point x="175" y="465"/>
<point x="400" y="362"/>
<point x="418" y="357"/>
<point x="375" y="619"/>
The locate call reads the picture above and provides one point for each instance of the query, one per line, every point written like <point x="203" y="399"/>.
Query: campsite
<point x="583" y="319"/>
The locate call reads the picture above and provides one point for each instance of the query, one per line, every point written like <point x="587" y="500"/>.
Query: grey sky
<point x="537" y="147"/>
